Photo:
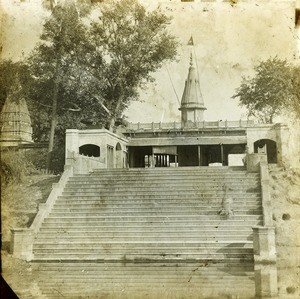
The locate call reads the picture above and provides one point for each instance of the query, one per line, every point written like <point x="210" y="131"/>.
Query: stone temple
<point x="192" y="142"/>
<point x="160" y="210"/>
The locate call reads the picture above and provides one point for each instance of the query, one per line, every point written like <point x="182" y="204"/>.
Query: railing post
<point x="21" y="244"/>
<point x="265" y="270"/>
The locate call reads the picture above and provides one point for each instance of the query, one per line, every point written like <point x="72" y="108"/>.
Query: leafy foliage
<point x="134" y="43"/>
<point x="274" y="90"/>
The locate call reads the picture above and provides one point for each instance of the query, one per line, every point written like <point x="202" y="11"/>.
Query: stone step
<point x="175" y="197"/>
<point x="144" y="232"/>
<point x="146" y="212"/>
<point x="170" y="179"/>
<point x="148" y="229"/>
<point x="173" y="169"/>
<point x="81" y="226"/>
<point x="168" y="172"/>
<point x="153" y="219"/>
<point x="139" y="193"/>
<point x="230" y="179"/>
<point x="160" y="188"/>
<point x="149" y="174"/>
<point x="142" y="249"/>
<point x="50" y="238"/>
<point x="195" y="257"/>
<point x="138" y="204"/>
<point x="138" y="245"/>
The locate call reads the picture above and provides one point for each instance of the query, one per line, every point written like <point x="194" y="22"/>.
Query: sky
<point x="228" y="41"/>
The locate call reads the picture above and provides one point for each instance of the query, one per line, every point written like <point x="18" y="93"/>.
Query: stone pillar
<point x="264" y="244"/>
<point x="265" y="270"/>
<point x="21" y="243"/>
<point x="265" y="194"/>
<point x="265" y="277"/>
<point x="199" y="155"/>
<point x="72" y="141"/>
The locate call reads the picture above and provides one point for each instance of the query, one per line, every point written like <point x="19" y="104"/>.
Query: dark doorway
<point x="110" y="156"/>
<point x="188" y="155"/>
<point x="211" y="154"/>
<point x="137" y="156"/>
<point x="267" y="146"/>
<point x="90" y="150"/>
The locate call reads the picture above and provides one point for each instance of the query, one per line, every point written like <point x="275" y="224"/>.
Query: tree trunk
<point x="53" y="125"/>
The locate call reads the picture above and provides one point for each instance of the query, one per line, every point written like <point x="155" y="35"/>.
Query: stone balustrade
<point x="192" y="125"/>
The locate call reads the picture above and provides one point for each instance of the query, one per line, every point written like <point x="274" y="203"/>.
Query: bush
<point x="14" y="166"/>
<point x="38" y="157"/>
<point x="58" y="159"/>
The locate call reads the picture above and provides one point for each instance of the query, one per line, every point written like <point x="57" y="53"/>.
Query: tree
<point x="85" y="74"/>
<point x="274" y="90"/>
<point x="54" y="68"/>
<point x="134" y="43"/>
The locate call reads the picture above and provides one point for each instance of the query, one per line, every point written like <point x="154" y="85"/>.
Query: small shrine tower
<point x="192" y="104"/>
<point x="15" y="122"/>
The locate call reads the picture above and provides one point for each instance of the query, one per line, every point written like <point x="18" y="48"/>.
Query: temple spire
<point x="192" y="104"/>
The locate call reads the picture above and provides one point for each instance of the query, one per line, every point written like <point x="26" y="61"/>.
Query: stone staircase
<point x="114" y="280"/>
<point x="158" y="214"/>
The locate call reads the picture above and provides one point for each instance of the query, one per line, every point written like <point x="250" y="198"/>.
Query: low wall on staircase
<point x="265" y="269"/>
<point x="82" y="164"/>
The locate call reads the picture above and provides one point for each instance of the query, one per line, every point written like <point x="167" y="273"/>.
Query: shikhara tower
<point x="192" y="104"/>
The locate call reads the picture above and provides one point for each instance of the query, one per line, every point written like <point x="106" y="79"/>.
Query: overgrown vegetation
<point x="15" y="166"/>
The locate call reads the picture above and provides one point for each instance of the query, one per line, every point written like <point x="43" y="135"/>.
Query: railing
<point x="191" y="125"/>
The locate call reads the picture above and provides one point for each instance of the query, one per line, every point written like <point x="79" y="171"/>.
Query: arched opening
<point x="118" y="147"/>
<point x="268" y="147"/>
<point x="90" y="150"/>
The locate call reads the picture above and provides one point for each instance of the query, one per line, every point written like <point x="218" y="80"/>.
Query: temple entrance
<point x="156" y="156"/>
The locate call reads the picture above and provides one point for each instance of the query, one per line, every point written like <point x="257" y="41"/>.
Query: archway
<point x="90" y="150"/>
<point x="267" y="146"/>
<point x="118" y="147"/>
